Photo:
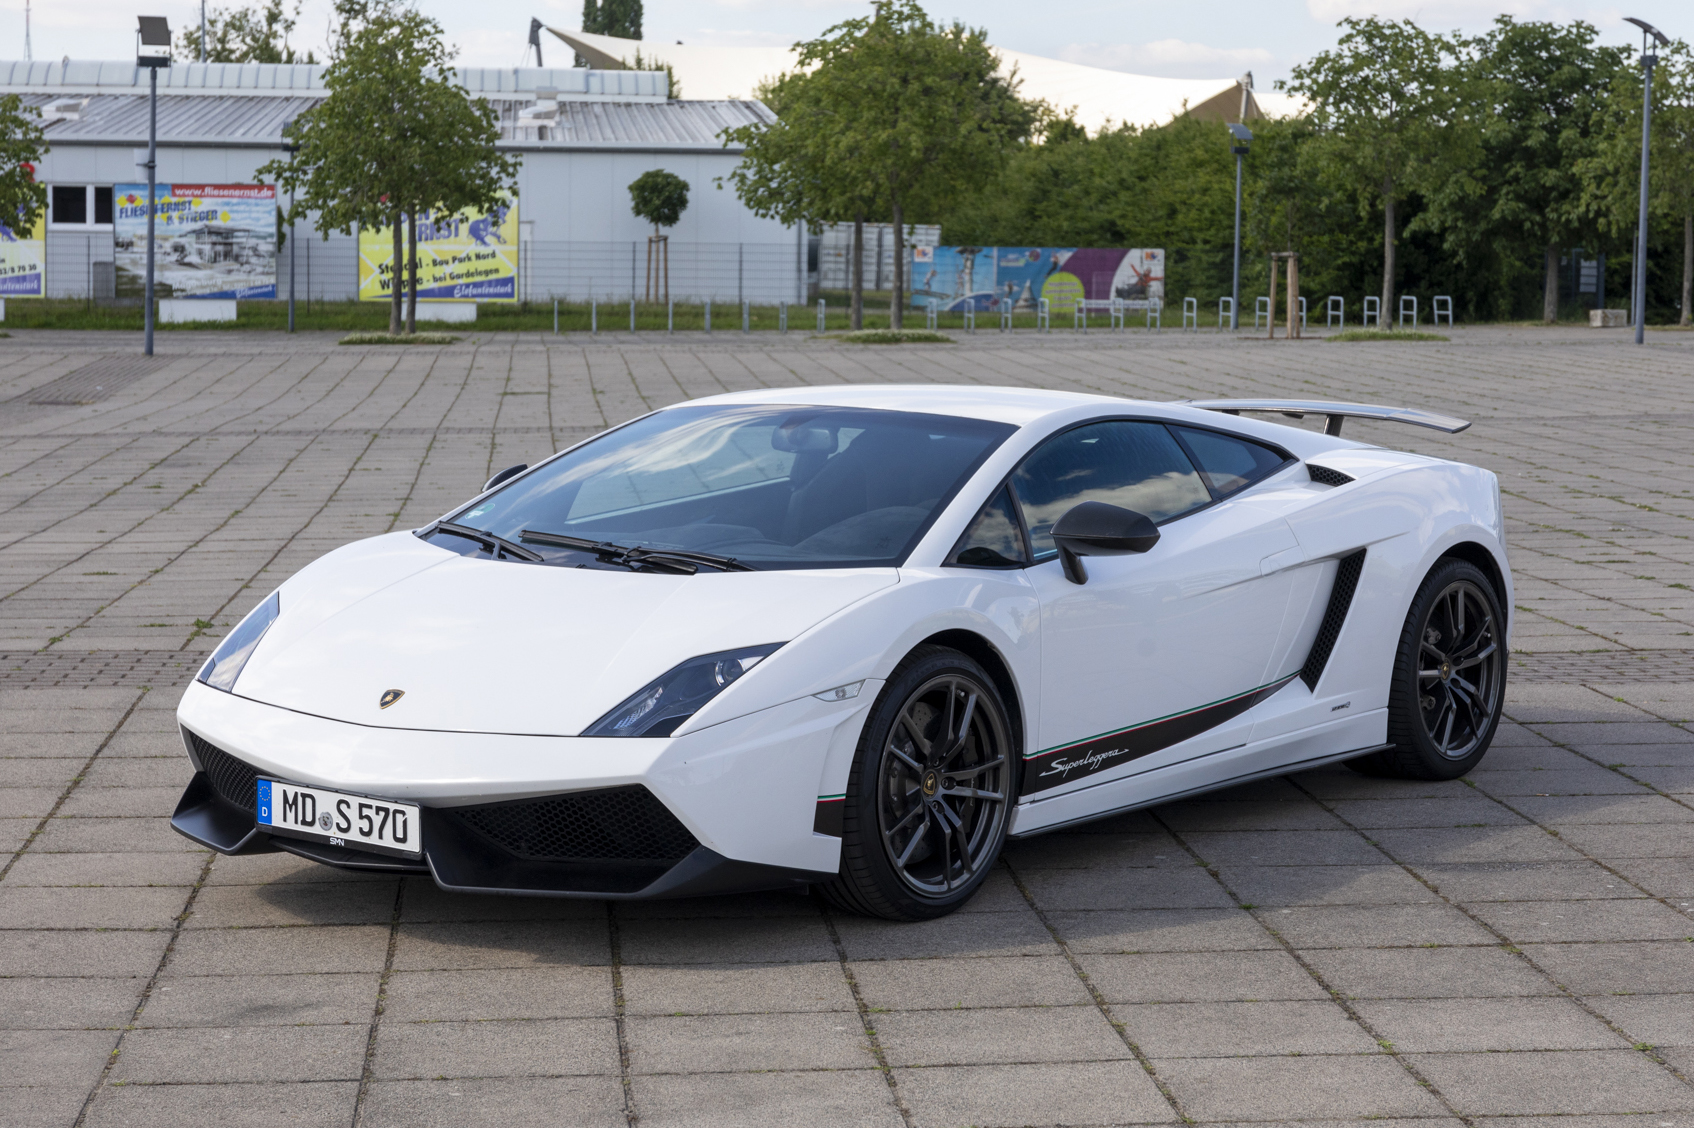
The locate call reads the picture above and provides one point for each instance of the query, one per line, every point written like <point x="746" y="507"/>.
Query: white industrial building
<point x="583" y="135"/>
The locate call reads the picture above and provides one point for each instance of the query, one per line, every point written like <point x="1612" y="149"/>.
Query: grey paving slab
<point x="1402" y="897"/>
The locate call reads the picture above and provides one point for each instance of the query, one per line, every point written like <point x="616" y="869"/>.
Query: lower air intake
<point x="618" y="824"/>
<point x="233" y="780"/>
<point x="1340" y="599"/>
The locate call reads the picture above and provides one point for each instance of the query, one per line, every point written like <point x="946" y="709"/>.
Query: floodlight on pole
<point x="1650" y="35"/>
<point x="152" y="50"/>
<point x="1240" y="136"/>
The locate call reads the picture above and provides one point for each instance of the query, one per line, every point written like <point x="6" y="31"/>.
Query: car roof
<point x="1017" y="406"/>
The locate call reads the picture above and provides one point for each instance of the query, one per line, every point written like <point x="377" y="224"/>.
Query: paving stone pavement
<point x="1514" y="948"/>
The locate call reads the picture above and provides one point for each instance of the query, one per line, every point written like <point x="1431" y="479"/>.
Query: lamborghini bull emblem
<point x="389" y="697"/>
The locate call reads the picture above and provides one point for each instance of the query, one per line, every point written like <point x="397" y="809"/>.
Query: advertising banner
<point x="213" y="240"/>
<point x="23" y="260"/>
<point x="466" y="257"/>
<point x="989" y="279"/>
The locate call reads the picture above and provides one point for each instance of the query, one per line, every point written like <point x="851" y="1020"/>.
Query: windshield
<point x="772" y="486"/>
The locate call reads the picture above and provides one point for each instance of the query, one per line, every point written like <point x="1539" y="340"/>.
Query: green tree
<point x="1612" y="172"/>
<point x="22" y="145"/>
<point x="1387" y="117"/>
<point x="396" y="136"/>
<point x="660" y="198"/>
<point x="888" y="115"/>
<point x="620" y="18"/>
<point x="254" y="34"/>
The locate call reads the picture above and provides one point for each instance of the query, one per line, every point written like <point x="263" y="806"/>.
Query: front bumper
<point x="729" y="808"/>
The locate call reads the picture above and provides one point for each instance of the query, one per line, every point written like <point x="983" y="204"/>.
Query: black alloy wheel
<point x="1449" y="678"/>
<point x="930" y="792"/>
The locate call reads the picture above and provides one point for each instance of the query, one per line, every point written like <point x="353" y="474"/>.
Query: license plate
<point x="358" y="821"/>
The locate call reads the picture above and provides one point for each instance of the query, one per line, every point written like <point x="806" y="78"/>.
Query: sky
<point x="1194" y="39"/>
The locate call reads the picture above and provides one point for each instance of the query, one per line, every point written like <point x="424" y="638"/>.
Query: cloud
<point x="1171" y="58"/>
<point x="1466" y="13"/>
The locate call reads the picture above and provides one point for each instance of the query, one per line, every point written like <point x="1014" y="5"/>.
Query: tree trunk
<point x="411" y="274"/>
<point x="396" y="274"/>
<point x="1384" y="317"/>
<point x="856" y="303"/>
<point x="1550" y="286"/>
<point x="894" y="310"/>
<point x="1687" y="265"/>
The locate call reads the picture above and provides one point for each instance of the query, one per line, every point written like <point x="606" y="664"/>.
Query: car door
<point x="1157" y="657"/>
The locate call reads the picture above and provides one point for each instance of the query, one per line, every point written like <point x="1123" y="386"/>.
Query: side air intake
<point x="1340" y="599"/>
<point x="1324" y="476"/>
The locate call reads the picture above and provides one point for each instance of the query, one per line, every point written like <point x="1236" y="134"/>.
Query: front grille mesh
<point x="622" y="824"/>
<point x="234" y="781"/>
<point x="1340" y="599"/>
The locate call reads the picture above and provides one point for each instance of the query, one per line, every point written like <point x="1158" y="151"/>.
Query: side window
<point x="1134" y="465"/>
<point x="1229" y="463"/>
<point x="994" y="539"/>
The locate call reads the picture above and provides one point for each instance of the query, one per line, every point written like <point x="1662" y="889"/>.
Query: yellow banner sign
<point x="465" y="257"/>
<point x="23" y="260"/>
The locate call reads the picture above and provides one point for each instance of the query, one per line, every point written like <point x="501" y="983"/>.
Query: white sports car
<point x="856" y="637"/>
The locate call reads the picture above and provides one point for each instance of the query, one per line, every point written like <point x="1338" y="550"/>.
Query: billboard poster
<point x="23" y="260"/>
<point x="212" y="240"/>
<point x="989" y="279"/>
<point x="467" y="256"/>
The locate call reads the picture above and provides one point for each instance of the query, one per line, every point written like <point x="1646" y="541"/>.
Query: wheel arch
<point x="985" y="654"/>
<point x="1473" y="552"/>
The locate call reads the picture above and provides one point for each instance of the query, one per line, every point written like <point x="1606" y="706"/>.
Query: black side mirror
<point x="1097" y="529"/>
<point x="507" y="474"/>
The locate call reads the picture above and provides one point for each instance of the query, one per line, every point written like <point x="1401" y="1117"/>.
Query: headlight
<point x="664" y="703"/>
<point x="224" y="666"/>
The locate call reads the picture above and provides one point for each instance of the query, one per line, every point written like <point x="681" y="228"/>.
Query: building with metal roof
<point x="583" y="135"/>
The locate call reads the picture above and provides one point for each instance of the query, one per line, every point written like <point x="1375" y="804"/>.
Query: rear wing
<point x="1335" y="412"/>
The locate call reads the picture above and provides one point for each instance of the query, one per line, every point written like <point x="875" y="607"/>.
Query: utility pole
<point x="1242" y="136"/>
<point x="29" y="55"/>
<point x="1649" y="36"/>
<point x="202" y="30"/>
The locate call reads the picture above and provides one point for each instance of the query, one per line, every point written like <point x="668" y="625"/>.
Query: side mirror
<point x="1097" y="529"/>
<point x="505" y="475"/>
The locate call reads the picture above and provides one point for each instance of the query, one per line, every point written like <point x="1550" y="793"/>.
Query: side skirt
<point x="1246" y="777"/>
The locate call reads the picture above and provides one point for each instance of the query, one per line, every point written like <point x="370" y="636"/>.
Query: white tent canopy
<point x="1100" y="98"/>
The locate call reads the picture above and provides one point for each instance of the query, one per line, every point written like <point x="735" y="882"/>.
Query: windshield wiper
<point x="678" y="560"/>
<point x="494" y="544"/>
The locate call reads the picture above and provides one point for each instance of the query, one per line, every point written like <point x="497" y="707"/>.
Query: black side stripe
<point x="1069" y="762"/>
<point x="1340" y="600"/>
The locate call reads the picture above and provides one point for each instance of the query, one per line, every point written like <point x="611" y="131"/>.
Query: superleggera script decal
<point x="1055" y="766"/>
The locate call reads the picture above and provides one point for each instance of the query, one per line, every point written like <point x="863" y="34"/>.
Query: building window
<point x="81" y="205"/>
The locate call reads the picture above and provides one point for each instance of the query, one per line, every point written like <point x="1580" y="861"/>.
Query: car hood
<point x="482" y="646"/>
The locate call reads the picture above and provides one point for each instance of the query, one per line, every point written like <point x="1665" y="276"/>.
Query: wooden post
<point x="1293" y="296"/>
<point x="1272" y="333"/>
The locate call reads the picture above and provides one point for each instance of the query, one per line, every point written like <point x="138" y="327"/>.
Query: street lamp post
<point x="1242" y="136"/>
<point x="290" y="148"/>
<point x="1649" y="36"/>
<point x="152" y="50"/>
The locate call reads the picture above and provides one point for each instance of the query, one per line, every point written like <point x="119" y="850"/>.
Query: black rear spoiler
<point x="1335" y="412"/>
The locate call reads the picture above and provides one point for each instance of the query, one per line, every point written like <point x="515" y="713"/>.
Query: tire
<point x="1449" y="679"/>
<point x="908" y="777"/>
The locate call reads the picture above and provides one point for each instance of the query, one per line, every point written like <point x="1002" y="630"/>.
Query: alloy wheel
<point x="1460" y="667"/>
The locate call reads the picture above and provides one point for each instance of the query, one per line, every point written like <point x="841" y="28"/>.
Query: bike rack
<point x="1412" y="309"/>
<point x="670" y="315"/>
<point x="1044" y="317"/>
<point x="820" y="315"/>
<point x="1373" y="313"/>
<point x="708" y="315"/>
<point x="1226" y="313"/>
<point x="1079" y="315"/>
<point x="1155" y="314"/>
<point x="1261" y="310"/>
<point x="1335" y="312"/>
<point x="555" y="317"/>
<point x="782" y="317"/>
<point x="931" y="315"/>
<point x="1117" y="314"/>
<point x="1005" y="317"/>
<point x="1302" y="313"/>
<point x="970" y="319"/>
<point x="746" y="316"/>
<point x="632" y="315"/>
<point x="594" y="316"/>
<point x="1443" y="306"/>
<point x="1191" y="313"/>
